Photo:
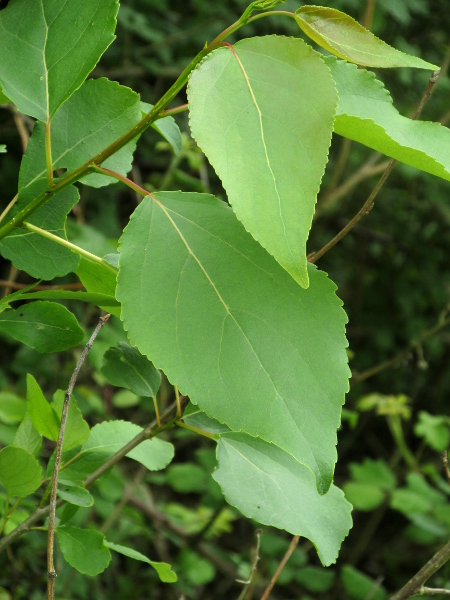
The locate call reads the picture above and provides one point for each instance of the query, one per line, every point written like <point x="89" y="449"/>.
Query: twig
<point x="65" y="411"/>
<point x="8" y="208"/>
<point x="21" y="128"/>
<point x="414" y="585"/>
<point x="368" y="204"/>
<point x="255" y="561"/>
<point x="280" y="567"/>
<point x="392" y="362"/>
<point x="368" y="15"/>
<point x="427" y="591"/>
<point x="445" y="463"/>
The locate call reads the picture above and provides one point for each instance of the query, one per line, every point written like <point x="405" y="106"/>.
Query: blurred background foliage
<point x="393" y="274"/>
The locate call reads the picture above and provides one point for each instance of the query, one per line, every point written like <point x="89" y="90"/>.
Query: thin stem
<point x="211" y="436"/>
<point x="134" y="186"/>
<point x="368" y="204"/>
<point x="177" y="399"/>
<point x="155" y="404"/>
<point x="414" y="585"/>
<point x="445" y="463"/>
<point x="368" y="14"/>
<point x="173" y="111"/>
<point x="8" y="208"/>
<point x="253" y="570"/>
<point x="69" y="245"/>
<point x="48" y="154"/>
<point x="54" y="487"/>
<point x="289" y="551"/>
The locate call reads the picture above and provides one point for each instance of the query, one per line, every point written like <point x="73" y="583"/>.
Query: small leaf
<point x="20" y="472"/>
<point x="84" y="549"/>
<point x="164" y="570"/>
<point x="343" y="36"/>
<point x="97" y="279"/>
<point x="77" y="430"/>
<point x="44" y="326"/>
<point x="263" y="115"/>
<point x="240" y="337"/>
<point x="76" y="495"/>
<point x="360" y="587"/>
<point x="60" y="43"/>
<point x="42" y="415"/>
<point x="107" y="438"/>
<point x="126" y="367"/>
<point x="12" y="408"/>
<point x="166" y="127"/>
<point x="2" y="149"/>
<point x="363" y="496"/>
<point x="268" y="485"/>
<point x="367" y="115"/>
<point x="375" y="472"/>
<point x="27" y="437"/>
<point x="36" y="255"/>
<point x="435" y="429"/>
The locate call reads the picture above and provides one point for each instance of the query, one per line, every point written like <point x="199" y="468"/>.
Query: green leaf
<point x="232" y="329"/>
<point x="315" y="579"/>
<point x="97" y="299"/>
<point x="42" y="415"/>
<point x="359" y="586"/>
<point x="434" y="429"/>
<point x="363" y="496"/>
<point x="3" y="99"/>
<point x="113" y="110"/>
<point x="77" y="430"/>
<point x="12" y="408"/>
<point x="343" y="36"/>
<point x="367" y="115"/>
<point x="375" y="472"/>
<point x="164" y="570"/>
<point x="20" y="472"/>
<point x="97" y="279"/>
<point x="270" y="486"/>
<point x="38" y="256"/>
<point x="76" y="495"/>
<point x="126" y="367"/>
<point x="107" y="438"/>
<point x="197" y="418"/>
<point x="60" y="44"/>
<point x="166" y="127"/>
<point x="44" y="326"/>
<point x="263" y="115"/>
<point x="84" y="549"/>
<point x="27" y="437"/>
<point x="2" y="149"/>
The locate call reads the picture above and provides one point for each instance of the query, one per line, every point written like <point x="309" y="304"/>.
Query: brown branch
<point x="51" y="573"/>
<point x="289" y="551"/>
<point x="445" y="463"/>
<point x="368" y="204"/>
<point x="414" y="585"/>
<point x="427" y="591"/>
<point x="255" y="561"/>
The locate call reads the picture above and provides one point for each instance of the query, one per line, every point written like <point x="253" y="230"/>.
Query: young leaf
<point x="232" y="329"/>
<point x="109" y="437"/>
<point x="44" y="326"/>
<point x="2" y="149"/>
<point x="84" y="549"/>
<point x="77" y="430"/>
<point x="42" y="415"/>
<point x="113" y="109"/>
<point x="435" y="430"/>
<point x="98" y="279"/>
<point x="126" y="367"/>
<point x="367" y="115"/>
<point x="27" y="437"/>
<point x="76" y="495"/>
<point x="164" y="570"/>
<point x="268" y="485"/>
<point x="343" y="36"/>
<point x="263" y="114"/>
<point x="20" y="472"/>
<point x="166" y="127"/>
<point x="58" y="42"/>
<point x="38" y="256"/>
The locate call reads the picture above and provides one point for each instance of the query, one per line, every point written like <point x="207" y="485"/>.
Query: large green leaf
<point x="232" y="329"/>
<point x="263" y="114"/>
<point x="84" y="549"/>
<point x="343" y="36"/>
<point x="125" y="367"/>
<point x="20" y="472"/>
<point x="44" y="326"/>
<point x="109" y="437"/>
<point x="163" y="569"/>
<point x="110" y="110"/>
<point x="38" y="256"/>
<point x="49" y="47"/>
<point x="367" y="115"/>
<point x="270" y="486"/>
<point x="43" y="416"/>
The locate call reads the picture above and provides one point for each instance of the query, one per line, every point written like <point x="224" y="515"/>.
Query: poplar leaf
<point x="27" y="437"/>
<point x="164" y="570"/>
<point x="84" y="549"/>
<point x="20" y="472"/>
<point x="49" y="47"/>
<point x="232" y="329"/>
<point x="77" y="496"/>
<point x="268" y="485"/>
<point x="367" y="115"/>
<point x="263" y="115"/>
<point x="44" y="326"/>
<point x="341" y="35"/>
<point x="42" y="415"/>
